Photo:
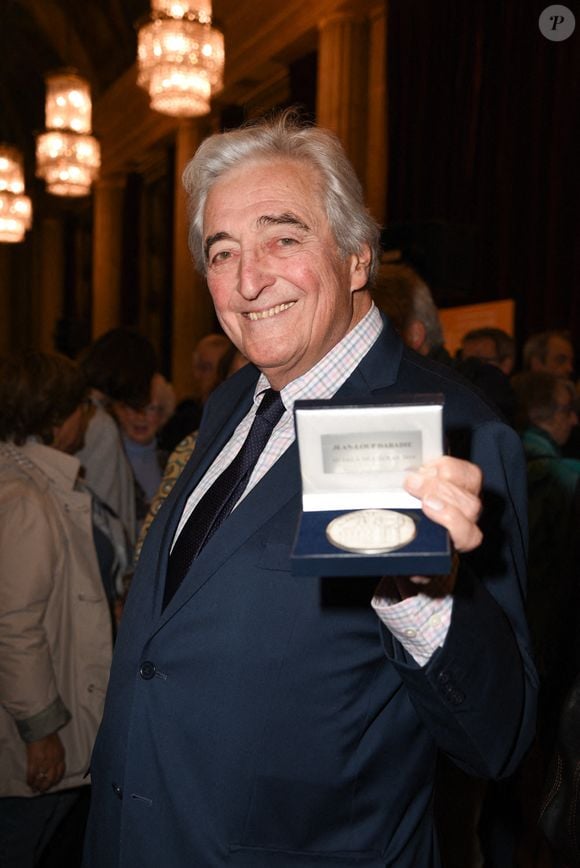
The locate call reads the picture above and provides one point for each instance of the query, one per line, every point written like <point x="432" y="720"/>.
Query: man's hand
<point x="449" y="490"/>
<point x="45" y="761"/>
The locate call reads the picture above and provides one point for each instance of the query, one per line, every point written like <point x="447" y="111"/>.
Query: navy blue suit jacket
<point x="269" y="721"/>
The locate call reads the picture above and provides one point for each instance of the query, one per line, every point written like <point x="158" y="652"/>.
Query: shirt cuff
<point x="420" y="623"/>
<point x="45" y="722"/>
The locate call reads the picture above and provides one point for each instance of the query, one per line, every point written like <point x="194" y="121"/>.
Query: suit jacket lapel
<point x="274" y="491"/>
<point x="221" y="428"/>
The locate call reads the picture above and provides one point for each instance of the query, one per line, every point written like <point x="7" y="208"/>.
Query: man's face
<point x="559" y="357"/>
<point x="139" y="425"/>
<point x="564" y="418"/>
<point x="206" y="359"/>
<point x="479" y="348"/>
<point x="485" y="350"/>
<point x="282" y="291"/>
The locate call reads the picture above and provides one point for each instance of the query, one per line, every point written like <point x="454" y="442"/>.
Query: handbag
<point x="560" y="812"/>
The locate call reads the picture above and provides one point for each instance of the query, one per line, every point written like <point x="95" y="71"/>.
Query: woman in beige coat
<point x="55" y="623"/>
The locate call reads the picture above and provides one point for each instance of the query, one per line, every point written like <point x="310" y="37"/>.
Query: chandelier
<point x="68" y="157"/>
<point x="15" y="208"/>
<point x="180" y="57"/>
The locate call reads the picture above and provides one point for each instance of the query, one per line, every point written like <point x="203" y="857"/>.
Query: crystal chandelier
<point x="68" y="157"/>
<point x="181" y="57"/>
<point x="15" y="208"/>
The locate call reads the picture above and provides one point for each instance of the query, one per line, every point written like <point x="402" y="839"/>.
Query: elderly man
<point x="487" y="360"/>
<point x="406" y="299"/>
<point x="258" y="719"/>
<point x="551" y="351"/>
<point x="492" y="346"/>
<point x="207" y="358"/>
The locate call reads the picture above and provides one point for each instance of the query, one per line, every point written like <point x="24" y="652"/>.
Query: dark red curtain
<point x="484" y="129"/>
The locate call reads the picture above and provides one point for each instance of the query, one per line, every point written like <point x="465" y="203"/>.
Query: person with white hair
<point x="259" y="719"/>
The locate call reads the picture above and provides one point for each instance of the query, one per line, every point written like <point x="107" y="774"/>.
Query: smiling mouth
<point x="272" y="311"/>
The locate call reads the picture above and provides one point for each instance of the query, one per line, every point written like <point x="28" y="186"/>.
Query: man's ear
<point x="415" y="335"/>
<point x="360" y="264"/>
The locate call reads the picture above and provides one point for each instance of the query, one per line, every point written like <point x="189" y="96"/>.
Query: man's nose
<point x="255" y="273"/>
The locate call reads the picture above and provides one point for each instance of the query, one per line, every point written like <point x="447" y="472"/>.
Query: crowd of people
<point x="81" y="463"/>
<point x="318" y="716"/>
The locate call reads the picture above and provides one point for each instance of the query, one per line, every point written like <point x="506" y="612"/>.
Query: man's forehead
<point x="268" y="187"/>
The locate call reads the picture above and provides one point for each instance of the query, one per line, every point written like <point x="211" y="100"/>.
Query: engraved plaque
<point x="368" y="452"/>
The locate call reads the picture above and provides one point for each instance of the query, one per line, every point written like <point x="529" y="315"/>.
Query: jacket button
<point x="147" y="670"/>
<point x="117" y="790"/>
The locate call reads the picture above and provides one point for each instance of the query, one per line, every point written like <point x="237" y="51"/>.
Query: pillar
<point x="6" y="289"/>
<point x="377" y="149"/>
<point x="108" y="197"/>
<point x="342" y="99"/>
<point x="51" y="281"/>
<point x="193" y="312"/>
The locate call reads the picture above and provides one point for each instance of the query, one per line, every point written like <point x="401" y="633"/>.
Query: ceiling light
<point x="181" y="57"/>
<point x="15" y="207"/>
<point x="68" y="157"/>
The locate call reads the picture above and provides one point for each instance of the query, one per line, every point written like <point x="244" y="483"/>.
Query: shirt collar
<point x="61" y="468"/>
<point x="326" y="377"/>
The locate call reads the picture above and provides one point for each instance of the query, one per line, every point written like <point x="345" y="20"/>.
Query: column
<point x="6" y="289"/>
<point x="342" y="97"/>
<point x="193" y="312"/>
<point x="107" y="243"/>
<point x="50" y="280"/>
<point x="377" y="151"/>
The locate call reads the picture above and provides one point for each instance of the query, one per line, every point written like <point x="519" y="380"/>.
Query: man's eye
<point x="287" y="242"/>
<point x="220" y="256"/>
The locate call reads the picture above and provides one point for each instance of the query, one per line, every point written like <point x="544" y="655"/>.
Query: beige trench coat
<point x="55" y="625"/>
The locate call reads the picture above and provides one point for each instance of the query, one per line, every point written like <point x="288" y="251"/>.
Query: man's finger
<point x="462" y="473"/>
<point x="464" y="533"/>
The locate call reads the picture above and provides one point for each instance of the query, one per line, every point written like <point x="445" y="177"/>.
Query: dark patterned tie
<point x="221" y="497"/>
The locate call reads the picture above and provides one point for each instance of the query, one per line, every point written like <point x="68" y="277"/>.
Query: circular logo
<point x="557" y="23"/>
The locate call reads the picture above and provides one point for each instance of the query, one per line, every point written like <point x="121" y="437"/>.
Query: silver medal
<point x="371" y="531"/>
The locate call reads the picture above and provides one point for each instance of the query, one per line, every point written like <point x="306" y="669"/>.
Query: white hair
<point x="284" y="136"/>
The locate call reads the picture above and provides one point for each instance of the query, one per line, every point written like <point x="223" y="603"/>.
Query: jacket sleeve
<point x="107" y="470"/>
<point x="29" y="560"/>
<point x="477" y="694"/>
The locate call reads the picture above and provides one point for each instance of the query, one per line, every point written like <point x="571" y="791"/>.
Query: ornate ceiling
<point x="98" y="38"/>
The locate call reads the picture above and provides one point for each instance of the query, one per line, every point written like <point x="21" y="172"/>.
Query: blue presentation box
<point x="428" y="554"/>
<point x="354" y="458"/>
